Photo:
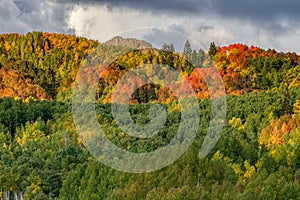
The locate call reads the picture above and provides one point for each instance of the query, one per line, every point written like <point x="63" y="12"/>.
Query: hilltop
<point x="128" y="42"/>
<point x="44" y="66"/>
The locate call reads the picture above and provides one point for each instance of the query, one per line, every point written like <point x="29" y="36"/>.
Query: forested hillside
<point x="39" y="64"/>
<point x="42" y="156"/>
<point x="43" y="65"/>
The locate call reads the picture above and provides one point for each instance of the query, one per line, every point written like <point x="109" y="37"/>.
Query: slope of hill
<point x="43" y="157"/>
<point x="48" y="63"/>
<point x="129" y="42"/>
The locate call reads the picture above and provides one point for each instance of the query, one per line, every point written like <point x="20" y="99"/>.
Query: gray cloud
<point x="266" y="15"/>
<point x="261" y="10"/>
<point x="270" y="19"/>
<point x="203" y="27"/>
<point x="263" y="14"/>
<point x="184" y="7"/>
<point x="246" y="9"/>
<point x="24" y="16"/>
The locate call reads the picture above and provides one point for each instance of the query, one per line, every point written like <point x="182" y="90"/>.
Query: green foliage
<point x="43" y="62"/>
<point x="212" y="49"/>
<point x="42" y="157"/>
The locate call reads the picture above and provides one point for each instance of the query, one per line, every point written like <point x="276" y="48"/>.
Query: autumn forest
<point x="43" y="157"/>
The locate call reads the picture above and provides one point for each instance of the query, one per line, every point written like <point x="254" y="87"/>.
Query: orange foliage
<point x="274" y="133"/>
<point x="14" y="84"/>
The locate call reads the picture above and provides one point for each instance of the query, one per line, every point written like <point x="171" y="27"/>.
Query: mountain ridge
<point x="128" y="42"/>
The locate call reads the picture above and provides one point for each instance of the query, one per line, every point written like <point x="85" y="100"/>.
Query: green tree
<point x="212" y="49"/>
<point x="187" y="51"/>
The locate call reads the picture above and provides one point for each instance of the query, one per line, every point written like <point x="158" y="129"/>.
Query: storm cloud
<point x="270" y="17"/>
<point x="270" y="24"/>
<point x="268" y="10"/>
<point x="24" y="16"/>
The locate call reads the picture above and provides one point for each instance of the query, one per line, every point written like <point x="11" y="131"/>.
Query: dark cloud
<point x="265" y="14"/>
<point x="247" y="9"/>
<point x="41" y="15"/>
<point x="26" y="6"/>
<point x="204" y="27"/>
<point x="178" y="7"/>
<point x="276" y="18"/>
<point x="260" y="10"/>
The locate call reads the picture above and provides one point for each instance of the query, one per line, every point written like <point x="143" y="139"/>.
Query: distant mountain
<point x="129" y="42"/>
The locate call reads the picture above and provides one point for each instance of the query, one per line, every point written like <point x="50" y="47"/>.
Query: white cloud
<point x="101" y="23"/>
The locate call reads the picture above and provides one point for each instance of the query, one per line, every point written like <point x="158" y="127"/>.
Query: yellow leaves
<point x="28" y="99"/>
<point x="31" y="133"/>
<point x="183" y="74"/>
<point x="7" y="46"/>
<point x="236" y="168"/>
<point x="27" y="137"/>
<point x="79" y="141"/>
<point x="174" y="106"/>
<point x="292" y="76"/>
<point x="250" y="169"/>
<point x="296" y="107"/>
<point x="234" y="51"/>
<point x="122" y="134"/>
<point x="19" y="141"/>
<point x="17" y="98"/>
<point x="35" y="187"/>
<point x="218" y="155"/>
<point x="286" y="153"/>
<point x="291" y="142"/>
<point x="274" y="154"/>
<point x="290" y="157"/>
<point x="274" y="133"/>
<point x="237" y="124"/>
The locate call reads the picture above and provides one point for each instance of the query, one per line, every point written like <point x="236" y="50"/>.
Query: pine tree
<point x="187" y="51"/>
<point x="212" y="49"/>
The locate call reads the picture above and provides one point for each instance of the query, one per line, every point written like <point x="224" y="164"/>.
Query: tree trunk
<point x="7" y="195"/>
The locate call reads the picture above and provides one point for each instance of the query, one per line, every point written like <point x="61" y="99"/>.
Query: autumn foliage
<point x="43" y="65"/>
<point x="275" y="132"/>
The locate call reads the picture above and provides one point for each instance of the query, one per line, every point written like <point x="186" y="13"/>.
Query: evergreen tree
<point x="212" y="49"/>
<point x="168" y="47"/>
<point x="187" y="51"/>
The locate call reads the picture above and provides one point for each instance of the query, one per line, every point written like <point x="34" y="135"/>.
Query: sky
<point x="264" y="23"/>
